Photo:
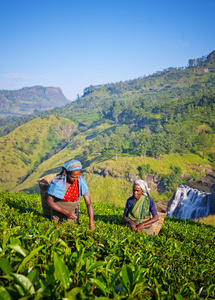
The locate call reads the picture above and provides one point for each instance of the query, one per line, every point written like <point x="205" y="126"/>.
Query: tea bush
<point x="43" y="260"/>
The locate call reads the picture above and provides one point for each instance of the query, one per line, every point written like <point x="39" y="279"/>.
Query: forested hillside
<point x="164" y="135"/>
<point x="170" y="85"/>
<point x="162" y="87"/>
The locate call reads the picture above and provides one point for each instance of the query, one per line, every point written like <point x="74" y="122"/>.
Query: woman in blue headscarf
<point x="65" y="191"/>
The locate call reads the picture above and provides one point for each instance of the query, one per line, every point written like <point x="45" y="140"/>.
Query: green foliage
<point x="183" y="127"/>
<point x="170" y="181"/>
<point x="115" y="144"/>
<point x="39" y="259"/>
<point x="203" y="142"/>
<point x="119" y="101"/>
<point x="161" y="87"/>
<point x="171" y="111"/>
<point x="145" y="170"/>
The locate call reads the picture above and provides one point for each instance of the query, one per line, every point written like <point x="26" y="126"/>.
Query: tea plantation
<point x="42" y="260"/>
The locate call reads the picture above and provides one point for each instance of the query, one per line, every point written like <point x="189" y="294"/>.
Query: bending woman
<point x="64" y="193"/>
<point x="139" y="207"/>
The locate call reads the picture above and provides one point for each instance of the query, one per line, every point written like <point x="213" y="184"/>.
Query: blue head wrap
<point x="57" y="187"/>
<point x="72" y="165"/>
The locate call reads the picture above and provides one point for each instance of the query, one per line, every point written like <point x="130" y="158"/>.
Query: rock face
<point x="26" y="100"/>
<point x="205" y="183"/>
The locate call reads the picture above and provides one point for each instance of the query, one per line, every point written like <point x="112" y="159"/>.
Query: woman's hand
<point x="92" y="226"/>
<point x="140" y="227"/>
<point x="70" y="215"/>
<point x="133" y="225"/>
<point x="130" y="223"/>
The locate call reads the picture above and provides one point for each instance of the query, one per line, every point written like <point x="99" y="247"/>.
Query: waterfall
<point x="191" y="203"/>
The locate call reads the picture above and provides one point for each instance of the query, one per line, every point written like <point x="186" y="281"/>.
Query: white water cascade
<point x="191" y="203"/>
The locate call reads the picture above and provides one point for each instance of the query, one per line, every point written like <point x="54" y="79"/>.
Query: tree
<point x="142" y="117"/>
<point x="171" y="136"/>
<point x="86" y="153"/>
<point x="142" y="142"/>
<point x="122" y="132"/>
<point x="145" y="170"/>
<point x="170" y="181"/>
<point x="158" y="145"/>
<point x="94" y="147"/>
<point x="191" y="63"/>
<point x="159" y="127"/>
<point x="203" y="142"/>
<point x="184" y="142"/>
<point x="115" y="144"/>
<point x="105" y="109"/>
<point x="115" y="111"/>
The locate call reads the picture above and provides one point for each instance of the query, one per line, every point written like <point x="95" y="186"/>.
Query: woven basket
<point x="157" y="225"/>
<point x="162" y="213"/>
<point x="44" y="184"/>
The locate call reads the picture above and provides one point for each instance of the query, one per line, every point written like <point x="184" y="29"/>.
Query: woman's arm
<point x="132" y="224"/>
<point x="53" y="205"/>
<point x="150" y="221"/>
<point x="128" y="205"/>
<point x="90" y="210"/>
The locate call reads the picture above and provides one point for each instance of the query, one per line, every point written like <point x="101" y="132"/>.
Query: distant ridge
<point x="26" y="100"/>
<point x="161" y="87"/>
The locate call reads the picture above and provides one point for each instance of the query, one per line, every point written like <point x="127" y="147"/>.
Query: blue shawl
<point x="57" y="187"/>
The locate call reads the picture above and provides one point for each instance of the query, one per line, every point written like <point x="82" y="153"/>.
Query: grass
<point x="209" y="220"/>
<point x="117" y="186"/>
<point x="186" y="162"/>
<point x="110" y="190"/>
<point x="54" y="163"/>
<point x="27" y="145"/>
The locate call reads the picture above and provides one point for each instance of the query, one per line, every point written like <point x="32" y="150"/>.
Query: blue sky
<point x="75" y="44"/>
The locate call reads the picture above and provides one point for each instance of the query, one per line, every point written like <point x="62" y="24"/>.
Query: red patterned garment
<point x="72" y="193"/>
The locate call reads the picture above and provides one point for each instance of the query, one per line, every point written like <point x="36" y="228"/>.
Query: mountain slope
<point x="103" y="171"/>
<point x="27" y="100"/>
<point x="24" y="149"/>
<point x="172" y="85"/>
<point x="165" y="86"/>
<point x="161" y="139"/>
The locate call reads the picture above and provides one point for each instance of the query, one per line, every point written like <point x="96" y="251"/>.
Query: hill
<point x="172" y="85"/>
<point x="101" y="168"/>
<point x="162" y="87"/>
<point x="27" y="100"/>
<point x="24" y="149"/>
<point x="167" y="141"/>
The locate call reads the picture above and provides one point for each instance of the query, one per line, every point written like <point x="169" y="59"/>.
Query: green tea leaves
<point x="5" y="266"/>
<point x="61" y="271"/>
<point x="64" y="261"/>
